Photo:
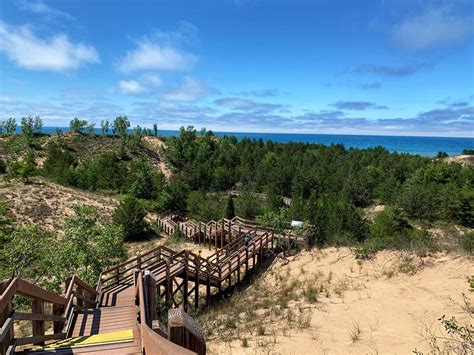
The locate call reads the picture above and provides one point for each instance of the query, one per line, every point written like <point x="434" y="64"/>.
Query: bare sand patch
<point x="343" y="306"/>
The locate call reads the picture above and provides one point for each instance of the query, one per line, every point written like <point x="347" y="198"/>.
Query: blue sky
<point x="346" y="67"/>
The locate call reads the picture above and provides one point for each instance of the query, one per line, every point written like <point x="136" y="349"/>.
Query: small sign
<point x="297" y="224"/>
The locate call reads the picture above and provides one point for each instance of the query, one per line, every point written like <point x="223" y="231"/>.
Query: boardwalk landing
<point x="119" y="315"/>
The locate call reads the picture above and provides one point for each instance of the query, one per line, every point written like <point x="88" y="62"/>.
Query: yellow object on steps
<point x="122" y="336"/>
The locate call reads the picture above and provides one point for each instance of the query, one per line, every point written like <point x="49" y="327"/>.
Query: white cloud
<point x="435" y="26"/>
<point x="153" y="56"/>
<point x="162" y="51"/>
<point x="57" y="53"/>
<point x="151" y="79"/>
<point x="131" y="87"/>
<point x="143" y="85"/>
<point x="40" y="8"/>
<point x="189" y="90"/>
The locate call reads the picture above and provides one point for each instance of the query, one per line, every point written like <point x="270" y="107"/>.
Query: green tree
<point x="276" y="220"/>
<point x="130" y="215"/>
<point x="76" y="125"/>
<point x="37" y="124"/>
<point x="145" y="182"/>
<point x="28" y="253"/>
<point x="27" y="126"/>
<point x="104" y="125"/>
<point x="88" y="247"/>
<point x="120" y="126"/>
<point x="155" y="129"/>
<point x="173" y="197"/>
<point x="10" y="125"/>
<point x="230" y="208"/>
<point x="90" y="129"/>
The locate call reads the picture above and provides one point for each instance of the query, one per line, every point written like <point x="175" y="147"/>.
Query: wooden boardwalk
<point x="119" y="315"/>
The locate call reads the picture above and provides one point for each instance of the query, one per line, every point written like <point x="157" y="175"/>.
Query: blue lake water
<point x="426" y="146"/>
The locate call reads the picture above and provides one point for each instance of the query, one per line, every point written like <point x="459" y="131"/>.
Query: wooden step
<point x="104" y="320"/>
<point x="122" y="342"/>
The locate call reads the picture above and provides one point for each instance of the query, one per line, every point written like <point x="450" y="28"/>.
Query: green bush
<point x="130" y="215"/>
<point x="390" y="230"/>
<point x="60" y="165"/>
<point x="466" y="242"/>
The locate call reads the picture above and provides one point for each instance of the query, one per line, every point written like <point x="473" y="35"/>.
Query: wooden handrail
<point x="151" y="342"/>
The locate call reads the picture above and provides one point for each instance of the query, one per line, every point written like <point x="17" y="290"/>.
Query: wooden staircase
<point x="119" y="316"/>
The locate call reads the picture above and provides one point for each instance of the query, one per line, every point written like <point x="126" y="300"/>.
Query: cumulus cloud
<point x="131" y="87"/>
<point x="189" y="90"/>
<point x="57" y="53"/>
<point x="162" y="51"/>
<point x="142" y="85"/>
<point x="239" y="104"/>
<point x="433" y="27"/>
<point x="358" y="105"/>
<point x="40" y="8"/>
<point x="392" y="71"/>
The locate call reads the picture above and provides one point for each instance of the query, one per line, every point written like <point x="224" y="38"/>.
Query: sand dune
<point x="388" y="305"/>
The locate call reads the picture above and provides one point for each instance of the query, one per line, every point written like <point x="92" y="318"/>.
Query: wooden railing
<point x="78" y="295"/>
<point x="151" y="342"/>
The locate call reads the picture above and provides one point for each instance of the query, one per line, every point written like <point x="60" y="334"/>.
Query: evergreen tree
<point x="10" y="125"/>
<point x="230" y="209"/>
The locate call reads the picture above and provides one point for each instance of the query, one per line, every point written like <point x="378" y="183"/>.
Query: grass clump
<point x="355" y="332"/>
<point x="310" y="293"/>
<point x="407" y="266"/>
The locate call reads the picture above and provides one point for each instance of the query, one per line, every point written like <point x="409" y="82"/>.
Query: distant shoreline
<point x="425" y="146"/>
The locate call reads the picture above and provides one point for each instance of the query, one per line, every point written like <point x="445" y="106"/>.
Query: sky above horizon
<point x="386" y="67"/>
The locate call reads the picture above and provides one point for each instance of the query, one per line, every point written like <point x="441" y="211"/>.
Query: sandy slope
<point x="47" y="203"/>
<point x="392" y="309"/>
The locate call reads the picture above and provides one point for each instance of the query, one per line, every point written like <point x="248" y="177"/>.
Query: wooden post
<point x="246" y="261"/>
<point x="215" y="237"/>
<point x="185" y="286"/>
<point x="139" y="261"/>
<point x="37" y="306"/>
<point x="222" y="233"/>
<point x="150" y="288"/>
<point x="230" y="231"/>
<point x="253" y="256"/>
<point x="57" y="311"/>
<point x="4" y="315"/>
<point x="200" y="231"/>
<point x="197" y="262"/>
<point x="219" y="282"/>
<point x="230" y="272"/>
<point x="238" y="268"/>
<point x="169" y="286"/>
<point x="208" y="290"/>
<point x="79" y="296"/>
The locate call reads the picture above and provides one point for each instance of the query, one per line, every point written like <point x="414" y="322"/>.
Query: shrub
<point x="466" y="242"/>
<point x="130" y="215"/>
<point x="230" y="208"/>
<point x="145" y="182"/>
<point x="391" y="231"/>
<point x="59" y="165"/>
<point x="3" y="166"/>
